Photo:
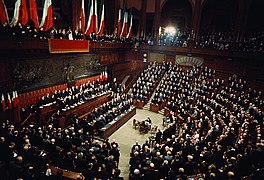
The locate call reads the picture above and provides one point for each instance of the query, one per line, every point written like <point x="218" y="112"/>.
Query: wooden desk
<point x="47" y="111"/>
<point x="87" y="106"/>
<point x="111" y="127"/>
<point x="62" y="122"/>
<point x="166" y="112"/>
<point x="140" y="104"/>
<point x="154" y="107"/>
<point x="66" y="174"/>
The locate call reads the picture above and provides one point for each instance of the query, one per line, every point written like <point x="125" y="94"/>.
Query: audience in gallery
<point x="29" y="31"/>
<point x="145" y="83"/>
<point x="223" y="41"/>
<point x="180" y="39"/>
<point x="252" y="43"/>
<point x="219" y="41"/>
<point x="216" y="130"/>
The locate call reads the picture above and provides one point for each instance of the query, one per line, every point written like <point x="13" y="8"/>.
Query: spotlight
<point x="170" y="30"/>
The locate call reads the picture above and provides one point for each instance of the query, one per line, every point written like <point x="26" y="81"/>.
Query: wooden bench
<point x="87" y="106"/>
<point x="140" y="104"/>
<point x="111" y="127"/>
<point x="154" y="107"/>
<point x="166" y="112"/>
<point x="66" y="174"/>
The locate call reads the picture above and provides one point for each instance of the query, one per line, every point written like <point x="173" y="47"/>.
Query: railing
<point x="134" y="78"/>
<point x="27" y="120"/>
<point x="109" y="45"/>
<point x="199" y="51"/>
<point x="42" y="44"/>
<point x="66" y="173"/>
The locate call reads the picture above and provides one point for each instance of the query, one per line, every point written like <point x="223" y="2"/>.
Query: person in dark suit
<point x="151" y="173"/>
<point x="158" y="136"/>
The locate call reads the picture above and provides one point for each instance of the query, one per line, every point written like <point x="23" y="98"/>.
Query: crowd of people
<point x="109" y="111"/>
<point x="180" y="39"/>
<point x="30" y="152"/>
<point x="74" y="96"/>
<point x="219" y="41"/>
<point x="252" y="43"/>
<point x="19" y="31"/>
<point x="146" y="82"/>
<point x="216" y="130"/>
<point x="223" y="41"/>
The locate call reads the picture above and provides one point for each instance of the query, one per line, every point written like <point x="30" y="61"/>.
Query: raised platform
<point x="71" y="46"/>
<point x="88" y="105"/>
<point x="66" y="173"/>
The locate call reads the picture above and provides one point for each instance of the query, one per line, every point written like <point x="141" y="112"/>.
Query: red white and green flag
<point x="90" y="23"/>
<point x="92" y="20"/>
<point x="83" y="18"/>
<point x="3" y="13"/>
<point x="24" y="12"/>
<point x="119" y="23"/>
<point x="129" y="34"/>
<point x="33" y="14"/>
<point x="102" y="24"/>
<point x="95" y="17"/>
<point x="20" y="13"/>
<point x="16" y="106"/>
<point x="125" y="25"/>
<point x="47" y="20"/>
<point x="9" y="102"/>
<point x="3" y="104"/>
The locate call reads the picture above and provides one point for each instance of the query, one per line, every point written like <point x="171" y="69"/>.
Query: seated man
<point x="148" y="120"/>
<point x="146" y="124"/>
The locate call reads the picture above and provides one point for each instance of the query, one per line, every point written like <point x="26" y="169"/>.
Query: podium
<point x="62" y="122"/>
<point x="154" y="108"/>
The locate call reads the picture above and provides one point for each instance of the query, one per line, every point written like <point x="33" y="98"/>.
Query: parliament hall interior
<point x="131" y="89"/>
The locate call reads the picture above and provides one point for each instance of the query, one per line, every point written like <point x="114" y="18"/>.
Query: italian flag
<point x="3" y="103"/>
<point x="24" y="13"/>
<point x="20" y="13"/>
<point x="125" y="25"/>
<point x="101" y="28"/>
<point x="47" y="21"/>
<point x="90" y="23"/>
<point x="83" y="18"/>
<point x="33" y="14"/>
<point x="119" y="23"/>
<point x="95" y="17"/>
<point x="129" y="34"/>
<point x="9" y="103"/>
<point x="16" y="106"/>
<point x="3" y="13"/>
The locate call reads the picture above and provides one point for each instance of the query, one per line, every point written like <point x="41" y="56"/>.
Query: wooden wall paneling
<point x="170" y="58"/>
<point x="6" y="81"/>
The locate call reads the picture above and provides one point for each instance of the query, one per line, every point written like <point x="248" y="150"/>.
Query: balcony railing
<point x="42" y="44"/>
<point x="199" y="51"/>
